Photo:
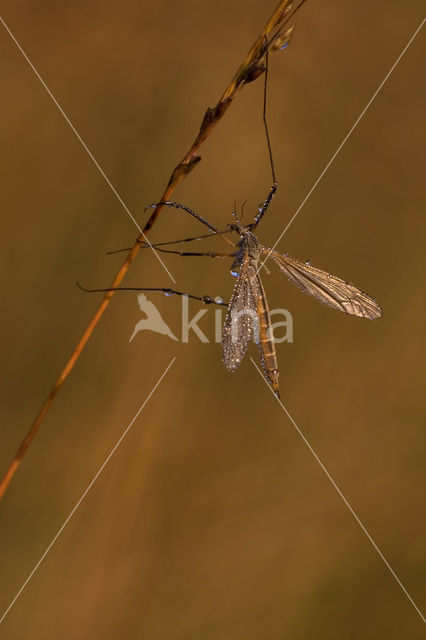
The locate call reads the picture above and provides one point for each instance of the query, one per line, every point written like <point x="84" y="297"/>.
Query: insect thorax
<point x="248" y="244"/>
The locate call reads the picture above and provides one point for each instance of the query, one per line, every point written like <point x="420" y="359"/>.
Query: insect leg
<point x="167" y="292"/>
<point x="176" y="205"/>
<point x="185" y="254"/>
<point x="161" y="244"/>
<point x="263" y="207"/>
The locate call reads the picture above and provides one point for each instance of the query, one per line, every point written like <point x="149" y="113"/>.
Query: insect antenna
<point x="234" y="213"/>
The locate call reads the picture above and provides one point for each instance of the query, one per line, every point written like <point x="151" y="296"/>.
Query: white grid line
<point x="79" y="138"/>
<point x="83" y="495"/>
<point x="341" y="494"/>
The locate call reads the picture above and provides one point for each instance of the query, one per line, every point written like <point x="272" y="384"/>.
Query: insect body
<point x="248" y="314"/>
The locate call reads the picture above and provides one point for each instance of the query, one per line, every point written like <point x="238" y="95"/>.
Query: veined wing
<point x="240" y="320"/>
<point x="326" y="288"/>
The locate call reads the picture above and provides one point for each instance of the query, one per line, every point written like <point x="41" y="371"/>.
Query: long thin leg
<point x="167" y="292"/>
<point x="161" y="244"/>
<point x="177" y="205"/>
<point x="211" y="254"/>
<point x="263" y="207"/>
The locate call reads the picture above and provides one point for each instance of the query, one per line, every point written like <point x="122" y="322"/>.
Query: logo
<point x="154" y="322"/>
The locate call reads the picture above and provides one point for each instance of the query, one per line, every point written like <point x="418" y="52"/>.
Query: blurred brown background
<point x="212" y="520"/>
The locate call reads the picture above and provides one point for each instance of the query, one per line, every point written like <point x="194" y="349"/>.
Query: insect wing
<point x="241" y="318"/>
<point x="328" y="289"/>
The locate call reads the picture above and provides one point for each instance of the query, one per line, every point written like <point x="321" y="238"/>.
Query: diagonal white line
<point x="345" y="139"/>
<point x="79" y="138"/>
<point x="341" y="495"/>
<point x="84" y="494"/>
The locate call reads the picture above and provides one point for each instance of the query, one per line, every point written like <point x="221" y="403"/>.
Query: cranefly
<point x="248" y="315"/>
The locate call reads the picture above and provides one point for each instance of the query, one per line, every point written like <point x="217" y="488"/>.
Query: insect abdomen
<point x="266" y="342"/>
